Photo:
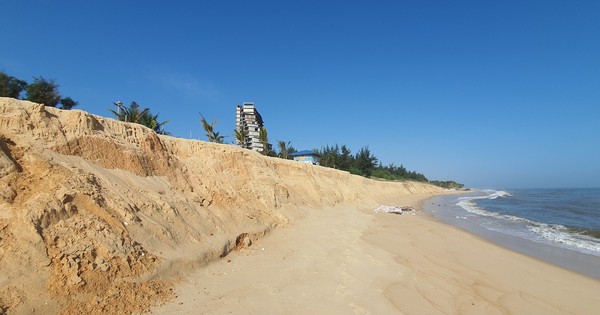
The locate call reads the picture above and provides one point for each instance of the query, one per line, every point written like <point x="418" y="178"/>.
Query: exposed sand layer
<point x="345" y="261"/>
<point x="100" y="216"/>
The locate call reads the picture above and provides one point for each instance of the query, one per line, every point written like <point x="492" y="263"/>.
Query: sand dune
<point x="101" y="216"/>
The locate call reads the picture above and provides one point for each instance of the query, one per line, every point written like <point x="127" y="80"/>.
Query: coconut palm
<point x="264" y="139"/>
<point x="285" y="149"/>
<point x="241" y="137"/>
<point x="210" y="130"/>
<point x="134" y="113"/>
<point x="151" y="121"/>
<point x="218" y="138"/>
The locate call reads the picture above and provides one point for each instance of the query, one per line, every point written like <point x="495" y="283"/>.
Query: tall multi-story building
<point x="247" y="118"/>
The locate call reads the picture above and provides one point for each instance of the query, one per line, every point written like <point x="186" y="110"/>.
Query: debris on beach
<point x="392" y="209"/>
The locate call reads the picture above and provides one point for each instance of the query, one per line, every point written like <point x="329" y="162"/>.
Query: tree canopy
<point x="263" y="137"/>
<point x="135" y="114"/>
<point x="43" y="91"/>
<point x="241" y="137"/>
<point x="285" y="149"/>
<point x="11" y="86"/>
<point x="211" y="134"/>
<point x="364" y="163"/>
<point x="67" y="103"/>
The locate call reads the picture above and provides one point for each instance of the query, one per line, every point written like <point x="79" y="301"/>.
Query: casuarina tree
<point x="43" y="91"/>
<point x="11" y="86"/>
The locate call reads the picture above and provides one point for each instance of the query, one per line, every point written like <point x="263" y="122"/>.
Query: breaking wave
<point x="581" y="239"/>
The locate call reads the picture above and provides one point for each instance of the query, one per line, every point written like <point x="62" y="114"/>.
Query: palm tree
<point x="264" y="139"/>
<point x="210" y="131"/>
<point x="241" y="137"/>
<point x="151" y="121"/>
<point x="285" y="149"/>
<point x="133" y="113"/>
<point x="218" y="138"/>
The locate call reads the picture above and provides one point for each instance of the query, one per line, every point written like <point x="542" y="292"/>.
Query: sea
<point x="560" y="226"/>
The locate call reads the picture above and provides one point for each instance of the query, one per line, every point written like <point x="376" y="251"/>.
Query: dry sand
<point x="99" y="216"/>
<point x="104" y="217"/>
<point x="346" y="261"/>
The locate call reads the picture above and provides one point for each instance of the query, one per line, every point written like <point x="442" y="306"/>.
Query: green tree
<point x="134" y="113"/>
<point x="68" y="103"/>
<point x="449" y="184"/>
<point x="210" y="130"/>
<point x="241" y="137"/>
<point x="330" y="156"/>
<point x="285" y="149"/>
<point x="43" y="91"/>
<point x="264" y="140"/>
<point x="218" y="138"/>
<point x="346" y="159"/>
<point x="151" y="121"/>
<point x="11" y="86"/>
<point x="365" y="162"/>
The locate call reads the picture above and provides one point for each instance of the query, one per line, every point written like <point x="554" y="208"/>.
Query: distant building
<point x="306" y="156"/>
<point x="247" y="118"/>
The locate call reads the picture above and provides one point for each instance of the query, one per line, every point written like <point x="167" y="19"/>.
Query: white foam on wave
<point x="560" y="234"/>
<point x="554" y="233"/>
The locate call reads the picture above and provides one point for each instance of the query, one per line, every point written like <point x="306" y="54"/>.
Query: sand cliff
<point x="97" y="215"/>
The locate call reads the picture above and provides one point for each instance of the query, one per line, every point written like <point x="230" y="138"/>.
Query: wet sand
<point x="445" y="209"/>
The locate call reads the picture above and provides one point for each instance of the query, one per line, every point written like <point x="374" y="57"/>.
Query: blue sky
<point x="494" y="94"/>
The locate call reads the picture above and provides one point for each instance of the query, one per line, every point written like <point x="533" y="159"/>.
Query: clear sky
<point x="493" y="94"/>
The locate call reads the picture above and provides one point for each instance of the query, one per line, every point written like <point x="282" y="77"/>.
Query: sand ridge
<point x="101" y="216"/>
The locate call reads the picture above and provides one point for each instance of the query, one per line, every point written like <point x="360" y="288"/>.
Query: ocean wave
<point x="491" y="194"/>
<point x="563" y="235"/>
<point x="554" y="233"/>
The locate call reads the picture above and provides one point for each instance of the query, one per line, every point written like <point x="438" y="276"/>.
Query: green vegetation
<point x="364" y="163"/>
<point x="449" y="184"/>
<point x="42" y="91"/>
<point x="68" y="103"/>
<point x="264" y="140"/>
<point x="135" y="114"/>
<point x="11" y="86"/>
<point x="241" y="137"/>
<point x="393" y="172"/>
<point x="285" y="149"/>
<point x="211" y="134"/>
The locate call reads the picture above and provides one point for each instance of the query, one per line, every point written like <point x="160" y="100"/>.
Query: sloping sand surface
<point x="347" y="261"/>
<point x="103" y="217"/>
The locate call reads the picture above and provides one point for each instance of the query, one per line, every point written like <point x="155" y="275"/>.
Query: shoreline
<point x="572" y="260"/>
<point x="344" y="260"/>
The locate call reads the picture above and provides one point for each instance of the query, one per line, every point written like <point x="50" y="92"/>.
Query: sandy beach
<point x="350" y="261"/>
<point x="99" y="216"/>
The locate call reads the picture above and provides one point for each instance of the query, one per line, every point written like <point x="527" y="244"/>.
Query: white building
<point x="248" y="118"/>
